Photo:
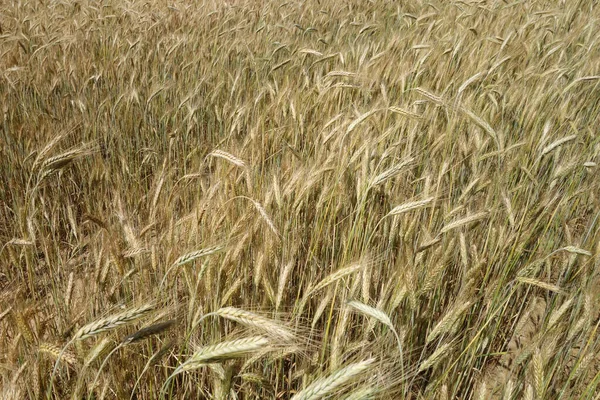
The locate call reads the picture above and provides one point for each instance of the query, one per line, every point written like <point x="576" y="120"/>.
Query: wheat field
<point x="299" y="200"/>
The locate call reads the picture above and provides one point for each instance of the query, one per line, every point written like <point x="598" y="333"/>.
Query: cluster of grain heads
<point x="235" y="154"/>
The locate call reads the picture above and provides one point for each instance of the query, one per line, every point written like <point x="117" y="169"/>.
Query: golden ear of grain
<point x="528" y="393"/>
<point x="223" y="351"/>
<point x="365" y="393"/>
<point x="255" y="321"/>
<point x="42" y="154"/>
<point x="265" y="216"/>
<point x="336" y="276"/>
<point x="556" y="144"/>
<point x="371" y="312"/>
<point x="484" y="125"/>
<point x="321" y="307"/>
<point x="557" y="314"/>
<point x="24" y="327"/>
<point x="61" y="160"/>
<point x="56" y="353"/>
<point x="401" y="111"/>
<point x="538" y="373"/>
<point x="229" y="157"/>
<point x="445" y="324"/>
<point x="325" y="386"/>
<point x="194" y="255"/>
<point x="339" y="73"/>
<point x="310" y="51"/>
<point x="189" y="257"/>
<point x="112" y="322"/>
<point x="509" y="390"/>
<point x="410" y="206"/>
<point x="19" y="242"/>
<point x="437" y="355"/>
<point x="436" y="99"/>
<point x="359" y="120"/>
<point x="432" y="278"/>
<point x="541" y="284"/>
<point x="464" y="221"/>
<point x="282" y="282"/>
<point x="384" y="319"/>
<point x="390" y="172"/>
<point x="575" y="250"/>
<point x="582" y="79"/>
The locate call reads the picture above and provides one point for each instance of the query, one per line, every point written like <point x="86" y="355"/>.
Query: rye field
<point x="299" y="200"/>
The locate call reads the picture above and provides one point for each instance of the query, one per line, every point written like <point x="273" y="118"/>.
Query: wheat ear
<point x="189" y="257"/>
<point x="325" y="386"/>
<point x="102" y="325"/>
<point x="112" y="322"/>
<point x="218" y="352"/>
<point x="139" y="335"/>
<point x="410" y="206"/>
<point x="256" y="321"/>
<point x="384" y="319"/>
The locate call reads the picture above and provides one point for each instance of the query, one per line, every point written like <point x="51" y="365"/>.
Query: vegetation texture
<point x="300" y="200"/>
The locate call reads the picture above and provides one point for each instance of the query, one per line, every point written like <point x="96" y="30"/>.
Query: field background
<point x="393" y="200"/>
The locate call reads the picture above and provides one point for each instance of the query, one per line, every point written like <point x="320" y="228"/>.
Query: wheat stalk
<point x="162" y="351"/>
